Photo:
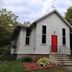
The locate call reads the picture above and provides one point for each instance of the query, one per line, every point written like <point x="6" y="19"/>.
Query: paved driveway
<point x="69" y="68"/>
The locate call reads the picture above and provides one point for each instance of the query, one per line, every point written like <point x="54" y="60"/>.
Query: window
<point x="28" y="36"/>
<point x="63" y="36"/>
<point x="44" y="30"/>
<point x="63" y="32"/>
<point x="43" y="34"/>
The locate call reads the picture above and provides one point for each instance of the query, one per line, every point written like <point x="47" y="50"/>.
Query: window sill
<point x="43" y="44"/>
<point x="27" y="45"/>
<point x="64" y="45"/>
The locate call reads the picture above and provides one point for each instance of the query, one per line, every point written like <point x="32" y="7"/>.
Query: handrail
<point x="61" y="49"/>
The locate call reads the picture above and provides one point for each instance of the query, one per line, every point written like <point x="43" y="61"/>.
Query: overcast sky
<point x="30" y="10"/>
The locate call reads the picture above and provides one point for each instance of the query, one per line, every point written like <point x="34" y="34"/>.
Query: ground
<point x="16" y="66"/>
<point x="11" y="66"/>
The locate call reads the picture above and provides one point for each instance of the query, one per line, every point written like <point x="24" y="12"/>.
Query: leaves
<point x="7" y="25"/>
<point x="68" y="15"/>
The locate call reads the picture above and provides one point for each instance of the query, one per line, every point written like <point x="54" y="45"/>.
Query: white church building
<point x="49" y="34"/>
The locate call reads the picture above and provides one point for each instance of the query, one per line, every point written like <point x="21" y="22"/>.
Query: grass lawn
<point x="16" y="66"/>
<point x="11" y="66"/>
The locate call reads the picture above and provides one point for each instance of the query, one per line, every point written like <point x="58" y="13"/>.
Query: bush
<point x="43" y="61"/>
<point x="5" y="53"/>
<point x="26" y="59"/>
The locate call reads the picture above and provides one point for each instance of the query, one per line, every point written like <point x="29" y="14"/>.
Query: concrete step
<point x="63" y="59"/>
<point x="62" y="55"/>
<point x="66" y="61"/>
<point x="67" y="64"/>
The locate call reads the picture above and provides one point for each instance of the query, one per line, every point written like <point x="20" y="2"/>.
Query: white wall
<point x="22" y="48"/>
<point x="53" y="23"/>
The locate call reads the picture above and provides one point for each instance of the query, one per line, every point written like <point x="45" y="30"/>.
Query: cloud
<point x="24" y="8"/>
<point x="32" y="9"/>
<point x="10" y="2"/>
<point x="1" y="4"/>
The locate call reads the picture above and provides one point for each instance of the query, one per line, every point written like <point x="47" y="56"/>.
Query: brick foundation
<point x="33" y="56"/>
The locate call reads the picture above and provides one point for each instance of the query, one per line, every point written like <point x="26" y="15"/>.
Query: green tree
<point x="7" y="24"/>
<point x="68" y="15"/>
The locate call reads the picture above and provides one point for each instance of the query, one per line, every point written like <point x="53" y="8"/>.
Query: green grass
<point x="17" y="66"/>
<point x="11" y="66"/>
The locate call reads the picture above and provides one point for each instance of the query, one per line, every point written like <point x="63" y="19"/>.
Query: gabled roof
<point x="19" y="26"/>
<point x="43" y="17"/>
<point x="58" y="14"/>
<point x="23" y="25"/>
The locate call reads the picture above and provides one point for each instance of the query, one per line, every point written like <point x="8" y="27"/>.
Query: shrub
<point x="43" y="61"/>
<point x="26" y="59"/>
<point x="5" y="53"/>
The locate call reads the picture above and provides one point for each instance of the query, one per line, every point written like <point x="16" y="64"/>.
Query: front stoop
<point x="62" y="59"/>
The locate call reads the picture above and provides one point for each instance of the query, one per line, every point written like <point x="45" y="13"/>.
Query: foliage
<point x="7" y="24"/>
<point x="43" y="61"/>
<point x="26" y="59"/>
<point x="68" y="15"/>
<point x="5" y="53"/>
<point x="16" y="66"/>
<point x="11" y="66"/>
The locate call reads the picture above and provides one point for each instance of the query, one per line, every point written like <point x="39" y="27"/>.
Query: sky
<point x="30" y="10"/>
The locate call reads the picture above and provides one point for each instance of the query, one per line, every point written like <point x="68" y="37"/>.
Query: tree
<point x="7" y="24"/>
<point x="68" y="15"/>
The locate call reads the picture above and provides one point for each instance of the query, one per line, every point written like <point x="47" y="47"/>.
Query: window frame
<point x="44" y="34"/>
<point x="27" y="40"/>
<point x="63" y="36"/>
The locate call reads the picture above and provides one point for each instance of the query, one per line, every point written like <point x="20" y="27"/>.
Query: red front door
<point x="54" y="43"/>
